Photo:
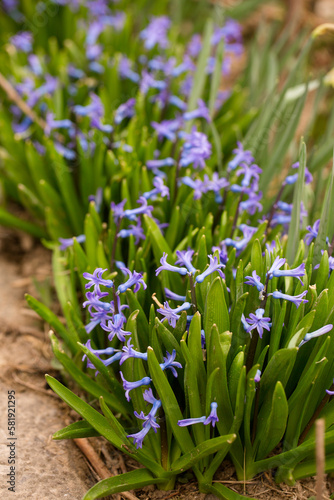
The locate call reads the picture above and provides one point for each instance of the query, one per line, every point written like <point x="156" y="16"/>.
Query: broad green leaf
<point x="271" y="426"/>
<point x="81" y="429"/>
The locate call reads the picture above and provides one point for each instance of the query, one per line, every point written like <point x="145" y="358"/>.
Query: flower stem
<point x="315" y="416"/>
<point x="193" y="293"/>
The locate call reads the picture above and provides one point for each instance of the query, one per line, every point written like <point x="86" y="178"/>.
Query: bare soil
<point x="54" y="470"/>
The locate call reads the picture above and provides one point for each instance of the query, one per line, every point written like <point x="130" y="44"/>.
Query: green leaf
<point x="169" y="402"/>
<point x="216" y="311"/>
<point x="271" y="426"/>
<point x="202" y="450"/>
<point x="124" y="482"/>
<point x="225" y="493"/>
<point x="9" y="220"/>
<point x="294" y="228"/>
<point x="81" y="429"/>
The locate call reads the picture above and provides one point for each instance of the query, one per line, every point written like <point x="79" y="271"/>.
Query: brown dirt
<point x="52" y="470"/>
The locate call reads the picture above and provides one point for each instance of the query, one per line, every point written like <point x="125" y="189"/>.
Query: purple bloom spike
<point x="68" y="242"/>
<point x="22" y="41"/>
<point x="212" y="418"/>
<point x="295" y="273"/>
<point x="167" y="129"/>
<point x="129" y="352"/>
<point x="174" y="296"/>
<point x="128" y="386"/>
<point x="156" y="33"/>
<point x="115" y="327"/>
<point x="96" y="279"/>
<point x="195" y="150"/>
<point x="154" y="164"/>
<point x="201" y="112"/>
<point x="317" y="333"/>
<point x="138" y="438"/>
<point x="213" y="266"/>
<point x="134" y="279"/>
<point x="159" y="188"/>
<point x="172" y="314"/>
<point x="168" y="267"/>
<point x="242" y="156"/>
<point x="312" y="232"/>
<point x="125" y="110"/>
<point x="254" y="280"/>
<point x="136" y="231"/>
<point x="144" y="209"/>
<point x="258" y="321"/>
<point x="296" y="299"/>
<point x="118" y="210"/>
<point x="185" y="258"/>
<point x="257" y="377"/>
<point x="170" y="363"/>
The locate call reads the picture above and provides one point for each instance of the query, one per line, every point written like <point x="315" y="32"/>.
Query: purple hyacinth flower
<point x="331" y="393"/>
<point x="212" y="418"/>
<point x="177" y="101"/>
<point x="257" y="377"/>
<point x="109" y="351"/>
<point x="254" y="280"/>
<point x="138" y="438"/>
<point x="68" y="242"/>
<point x="248" y="233"/>
<point x="296" y="299"/>
<point x="250" y="172"/>
<point x="172" y="315"/>
<point x="201" y="112"/>
<point x="96" y="279"/>
<point x="194" y="46"/>
<point x="317" y="333"/>
<point x="312" y="232"/>
<point x="125" y="110"/>
<point x="125" y="70"/>
<point x="195" y="150"/>
<point x="241" y="156"/>
<point x="115" y="327"/>
<point x="159" y="189"/>
<point x="174" y="296"/>
<point x="143" y="209"/>
<point x="170" y="363"/>
<point x="166" y="129"/>
<point x="252" y="204"/>
<point x="168" y="267"/>
<point x="134" y="279"/>
<point x="154" y="164"/>
<point x="129" y="352"/>
<point x="136" y="231"/>
<point x="213" y="266"/>
<point x="185" y="258"/>
<point x="258" y="321"/>
<point x="118" y="210"/>
<point x="148" y="82"/>
<point x="94" y="109"/>
<point x="128" y="386"/>
<point x="156" y="33"/>
<point x="22" y="41"/>
<point x="276" y="272"/>
<point x="196" y="184"/>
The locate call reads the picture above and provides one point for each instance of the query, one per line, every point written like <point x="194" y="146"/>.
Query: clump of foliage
<point x="206" y="328"/>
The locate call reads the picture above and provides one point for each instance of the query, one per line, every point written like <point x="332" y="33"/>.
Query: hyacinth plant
<point x="199" y="308"/>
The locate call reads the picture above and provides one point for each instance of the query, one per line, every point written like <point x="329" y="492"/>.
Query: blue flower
<point x="170" y="363"/>
<point x="68" y="242"/>
<point x="316" y="333"/>
<point x="168" y="267"/>
<point x="96" y="279"/>
<point x="296" y="299"/>
<point x="144" y="209"/>
<point x="156" y="33"/>
<point x="174" y="296"/>
<point x="134" y="279"/>
<point x="257" y="377"/>
<point x="115" y="327"/>
<point x="241" y="156"/>
<point x="201" y="112"/>
<point x="128" y="386"/>
<point x="133" y="230"/>
<point x="211" y="419"/>
<point x="159" y="188"/>
<point x="254" y="280"/>
<point x="167" y="129"/>
<point x="172" y="314"/>
<point x="213" y="266"/>
<point x="22" y="41"/>
<point x="258" y="321"/>
<point x="129" y="352"/>
<point x="195" y="150"/>
<point x="312" y="232"/>
<point x="125" y="110"/>
<point x="185" y="258"/>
